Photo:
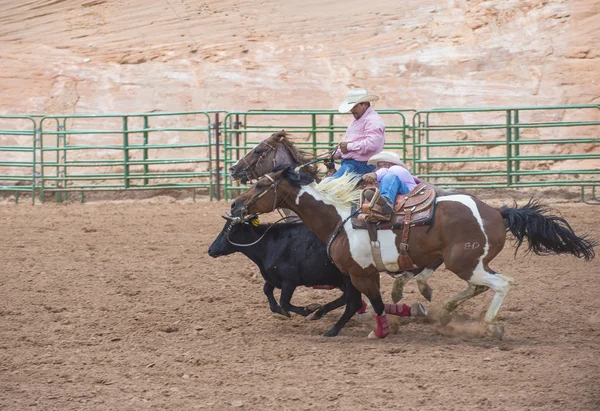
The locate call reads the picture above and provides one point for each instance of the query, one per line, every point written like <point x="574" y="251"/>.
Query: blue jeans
<point x="354" y="166"/>
<point x="390" y="186"/>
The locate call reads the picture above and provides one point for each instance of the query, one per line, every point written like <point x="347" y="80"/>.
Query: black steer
<point x="289" y="255"/>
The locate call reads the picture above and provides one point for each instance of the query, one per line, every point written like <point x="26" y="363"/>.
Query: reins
<point x="260" y="238"/>
<point x="338" y="229"/>
<point x="274" y="186"/>
<point x="320" y="157"/>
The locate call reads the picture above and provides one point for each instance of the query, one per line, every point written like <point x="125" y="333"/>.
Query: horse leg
<point x="367" y="282"/>
<point x="268" y="290"/>
<point x="353" y="304"/>
<point x="398" y="288"/>
<point x="500" y="284"/>
<point x="421" y="275"/>
<point x="452" y="303"/>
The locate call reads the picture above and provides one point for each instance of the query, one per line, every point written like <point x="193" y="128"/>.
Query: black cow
<point x="289" y="255"/>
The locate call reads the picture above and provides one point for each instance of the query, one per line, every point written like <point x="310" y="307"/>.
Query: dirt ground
<point x="117" y="306"/>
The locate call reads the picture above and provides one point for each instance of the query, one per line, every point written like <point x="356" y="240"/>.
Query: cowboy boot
<point x="382" y="210"/>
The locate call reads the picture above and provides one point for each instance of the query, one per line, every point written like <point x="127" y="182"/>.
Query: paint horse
<point x="467" y="234"/>
<point x="277" y="150"/>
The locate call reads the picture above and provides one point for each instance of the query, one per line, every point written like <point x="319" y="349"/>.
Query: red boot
<point x="383" y="327"/>
<point x="363" y="308"/>
<point x="403" y="310"/>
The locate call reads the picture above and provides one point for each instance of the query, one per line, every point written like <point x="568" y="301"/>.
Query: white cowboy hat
<point x="355" y="96"/>
<point x="388" y="156"/>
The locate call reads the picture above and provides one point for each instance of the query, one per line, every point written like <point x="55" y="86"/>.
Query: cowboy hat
<point x="388" y="156"/>
<point x="355" y="96"/>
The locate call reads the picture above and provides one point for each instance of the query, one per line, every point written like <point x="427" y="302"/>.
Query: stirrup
<point x="368" y="198"/>
<point x="377" y="214"/>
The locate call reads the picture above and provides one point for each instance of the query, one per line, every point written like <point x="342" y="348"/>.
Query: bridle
<point x="235" y="221"/>
<point x="273" y="186"/>
<point x="250" y="169"/>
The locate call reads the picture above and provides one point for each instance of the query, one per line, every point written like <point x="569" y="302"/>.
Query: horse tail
<point x="546" y="233"/>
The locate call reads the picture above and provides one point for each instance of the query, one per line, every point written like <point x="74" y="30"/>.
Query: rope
<point x="260" y="238"/>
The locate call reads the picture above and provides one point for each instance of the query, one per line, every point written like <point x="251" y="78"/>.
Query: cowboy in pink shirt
<point x="365" y="136"/>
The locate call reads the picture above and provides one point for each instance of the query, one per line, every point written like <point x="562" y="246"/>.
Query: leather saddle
<point x="413" y="209"/>
<point x="420" y="201"/>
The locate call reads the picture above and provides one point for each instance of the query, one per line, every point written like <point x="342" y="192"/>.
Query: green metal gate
<point x="471" y="148"/>
<point x="18" y="160"/>
<point x="511" y="147"/>
<point x="126" y="151"/>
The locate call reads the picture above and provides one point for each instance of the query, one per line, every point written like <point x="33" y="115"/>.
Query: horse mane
<point x="299" y="156"/>
<point x="296" y="179"/>
<point x="340" y="192"/>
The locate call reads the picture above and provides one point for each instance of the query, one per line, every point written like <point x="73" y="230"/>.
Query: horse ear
<point x="279" y="135"/>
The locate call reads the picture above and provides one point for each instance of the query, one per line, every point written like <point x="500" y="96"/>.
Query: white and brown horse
<point x="278" y="150"/>
<point x="467" y="234"/>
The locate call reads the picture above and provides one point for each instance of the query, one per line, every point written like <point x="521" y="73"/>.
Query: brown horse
<point x="467" y="234"/>
<point x="278" y="150"/>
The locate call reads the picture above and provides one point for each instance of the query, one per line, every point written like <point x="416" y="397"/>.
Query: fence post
<point x="516" y="150"/>
<point x="125" y="153"/>
<point x="236" y="125"/>
<point x="145" y="154"/>
<point x="508" y="149"/>
<point x="62" y="195"/>
<point x="314" y="134"/>
<point x="331" y="135"/>
<point x="217" y="156"/>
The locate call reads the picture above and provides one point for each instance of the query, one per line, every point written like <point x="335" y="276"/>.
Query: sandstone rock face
<point x="101" y="56"/>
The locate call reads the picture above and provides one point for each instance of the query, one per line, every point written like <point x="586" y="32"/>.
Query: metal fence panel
<point x="18" y="158"/>
<point x="126" y="152"/>
<point x="508" y="147"/>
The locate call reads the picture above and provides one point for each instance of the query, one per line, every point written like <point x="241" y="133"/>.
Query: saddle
<point x="413" y="209"/>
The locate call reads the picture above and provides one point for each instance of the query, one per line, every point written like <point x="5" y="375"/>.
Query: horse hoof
<point x="331" y="333"/>
<point x="445" y="318"/>
<point x="418" y="310"/>
<point x="374" y="336"/>
<point x="311" y="308"/>
<point x="396" y="297"/>
<point x="497" y="330"/>
<point x="315" y="315"/>
<point x="285" y="313"/>
<point x="426" y="292"/>
<point x="397" y="291"/>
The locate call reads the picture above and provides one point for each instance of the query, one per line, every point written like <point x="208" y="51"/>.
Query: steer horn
<point x="232" y="219"/>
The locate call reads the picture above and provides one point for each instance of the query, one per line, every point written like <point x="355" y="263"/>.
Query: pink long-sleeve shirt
<point x="365" y="137"/>
<point x="403" y="174"/>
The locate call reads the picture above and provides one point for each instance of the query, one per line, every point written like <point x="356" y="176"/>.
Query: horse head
<point x="269" y="192"/>
<point x="259" y="161"/>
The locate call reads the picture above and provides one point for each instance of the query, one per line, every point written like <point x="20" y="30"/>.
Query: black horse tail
<point x="546" y="233"/>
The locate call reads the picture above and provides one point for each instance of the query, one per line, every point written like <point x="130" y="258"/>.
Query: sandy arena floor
<point x="117" y="306"/>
